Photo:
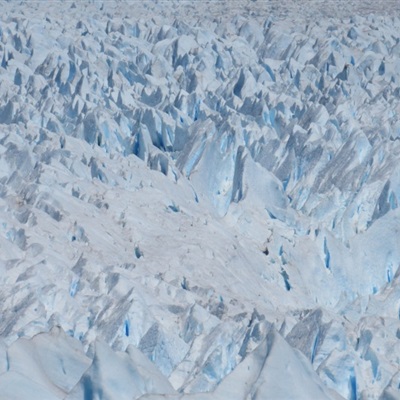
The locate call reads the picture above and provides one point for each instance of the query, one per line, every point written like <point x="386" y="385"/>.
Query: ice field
<point x="199" y="200"/>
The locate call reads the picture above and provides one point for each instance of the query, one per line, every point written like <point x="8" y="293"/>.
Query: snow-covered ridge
<point x="146" y="166"/>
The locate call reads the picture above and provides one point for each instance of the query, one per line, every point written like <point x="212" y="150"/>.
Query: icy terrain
<point x="199" y="200"/>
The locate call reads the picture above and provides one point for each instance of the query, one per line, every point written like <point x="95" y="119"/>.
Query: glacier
<point x="199" y="200"/>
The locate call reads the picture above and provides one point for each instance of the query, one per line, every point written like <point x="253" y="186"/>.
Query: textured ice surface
<point x="199" y="200"/>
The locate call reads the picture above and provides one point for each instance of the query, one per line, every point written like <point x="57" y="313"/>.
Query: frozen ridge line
<point x="219" y="197"/>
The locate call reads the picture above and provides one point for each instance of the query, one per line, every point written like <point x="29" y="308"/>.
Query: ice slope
<point x="179" y="189"/>
<point x="260" y="376"/>
<point x="56" y="362"/>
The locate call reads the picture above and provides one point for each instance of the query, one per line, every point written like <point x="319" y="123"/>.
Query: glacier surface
<point x="199" y="200"/>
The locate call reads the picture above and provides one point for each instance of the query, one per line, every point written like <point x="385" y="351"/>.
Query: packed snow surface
<point x="199" y="200"/>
